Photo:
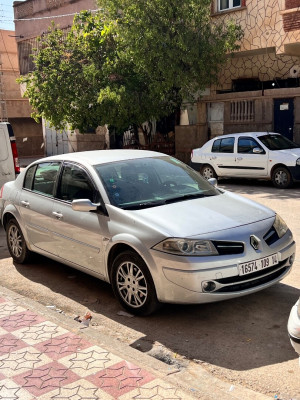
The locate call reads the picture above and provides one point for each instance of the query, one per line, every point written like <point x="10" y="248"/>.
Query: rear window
<point x="41" y="178"/>
<point x="225" y="145"/>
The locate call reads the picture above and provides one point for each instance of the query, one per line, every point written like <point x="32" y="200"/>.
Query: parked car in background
<point x="9" y="162"/>
<point x="294" y="326"/>
<point x="148" y="224"/>
<point x="255" y="155"/>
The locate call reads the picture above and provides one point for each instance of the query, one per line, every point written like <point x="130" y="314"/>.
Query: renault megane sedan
<point x="146" y="223"/>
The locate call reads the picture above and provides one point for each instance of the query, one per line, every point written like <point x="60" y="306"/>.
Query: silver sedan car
<point x="148" y="224"/>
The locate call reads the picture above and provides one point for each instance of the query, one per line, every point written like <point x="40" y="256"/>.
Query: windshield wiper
<point x="146" y="204"/>
<point x="189" y="197"/>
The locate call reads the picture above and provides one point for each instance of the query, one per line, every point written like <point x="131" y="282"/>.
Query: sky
<point x="7" y="15"/>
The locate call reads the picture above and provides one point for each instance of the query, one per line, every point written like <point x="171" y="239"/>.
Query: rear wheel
<point x="133" y="284"/>
<point x="16" y="243"/>
<point x="281" y="178"/>
<point x="208" y="172"/>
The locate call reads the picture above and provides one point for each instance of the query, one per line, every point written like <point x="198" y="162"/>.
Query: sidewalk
<point x="45" y="355"/>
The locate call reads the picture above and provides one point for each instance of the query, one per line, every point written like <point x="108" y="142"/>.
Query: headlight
<point x="298" y="161"/>
<point x="187" y="247"/>
<point x="280" y="226"/>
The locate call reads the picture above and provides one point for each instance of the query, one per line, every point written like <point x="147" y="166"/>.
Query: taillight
<point x="15" y="156"/>
<point x="1" y="192"/>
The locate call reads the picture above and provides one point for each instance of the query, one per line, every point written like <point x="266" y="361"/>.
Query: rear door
<point x="222" y="157"/>
<point x="7" y="169"/>
<point x="36" y="204"/>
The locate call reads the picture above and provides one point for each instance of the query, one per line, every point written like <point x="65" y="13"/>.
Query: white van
<point x="9" y="162"/>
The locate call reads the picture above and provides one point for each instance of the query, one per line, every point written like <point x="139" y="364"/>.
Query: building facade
<point x="259" y="88"/>
<point x="14" y="108"/>
<point x="33" y="18"/>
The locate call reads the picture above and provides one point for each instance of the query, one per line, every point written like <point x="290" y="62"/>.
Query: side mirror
<point x="213" y="181"/>
<point x="84" y="205"/>
<point x="257" y="150"/>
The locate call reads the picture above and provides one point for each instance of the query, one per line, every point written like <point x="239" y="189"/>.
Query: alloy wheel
<point x="15" y="240"/>
<point x="131" y="284"/>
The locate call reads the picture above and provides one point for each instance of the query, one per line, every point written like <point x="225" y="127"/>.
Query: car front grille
<point x="225" y="248"/>
<point x="240" y="283"/>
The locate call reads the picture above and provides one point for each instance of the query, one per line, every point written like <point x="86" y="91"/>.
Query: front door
<point x="284" y="117"/>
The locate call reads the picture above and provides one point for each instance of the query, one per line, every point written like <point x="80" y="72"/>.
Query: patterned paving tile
<point x="39" y="333"/>
<point x="62" y="346"/>
<point x="90" y="361"/>
<point x="156" y="390"/>
<point x="120" y="378"/>
<point x="23" y="360"/>
<point x="10" y="343"/>
<point x="79" y="390"/>
<point x="45" y="378"/>
<point x="18" y="320"/>
<point x="9" y="390"/>
<point x="8" y="308"/>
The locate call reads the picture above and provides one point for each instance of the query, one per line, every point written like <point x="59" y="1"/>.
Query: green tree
<point x="130" y="62"/>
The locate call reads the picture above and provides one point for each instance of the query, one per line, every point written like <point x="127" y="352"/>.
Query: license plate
<point x="257" y="265"/>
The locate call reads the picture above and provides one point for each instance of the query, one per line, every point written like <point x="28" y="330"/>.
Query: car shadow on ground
<point x="239" y="334"/>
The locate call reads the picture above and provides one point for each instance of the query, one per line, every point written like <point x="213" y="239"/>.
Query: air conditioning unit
<point x="295" y="71"/>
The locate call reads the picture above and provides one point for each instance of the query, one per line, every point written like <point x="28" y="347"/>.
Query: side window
<point x="229" y="4"/>
<point x="216" y="146"/>
<point x="227" y="145"/>
<point x="75" y="184"/>
<point x="28" y="181"/>
<point x="247" y="144"/>
<point x="45" y="178"/>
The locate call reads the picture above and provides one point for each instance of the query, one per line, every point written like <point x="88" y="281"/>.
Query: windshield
<point x="150" y="182"/>
<point x="277" y="142"/>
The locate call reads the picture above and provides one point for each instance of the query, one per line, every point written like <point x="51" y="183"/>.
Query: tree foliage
<point x="129" y="62"/>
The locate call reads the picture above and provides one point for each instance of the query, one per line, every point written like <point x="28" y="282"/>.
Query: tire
<point x="16" y="243"/>
<point x="136" y="296"/>
<point x="281" y="178"/>
<point x="208" y="172"/>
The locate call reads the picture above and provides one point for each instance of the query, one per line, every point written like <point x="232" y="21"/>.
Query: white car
<point x="294" y="327"/>
<point x="260" y="155"/>
<point x="9" y="162"/>
<point x="148" y="224"/>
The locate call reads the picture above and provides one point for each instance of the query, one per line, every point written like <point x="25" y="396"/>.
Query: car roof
<point x="95" y="157"/>
<point x="252" y="134"/>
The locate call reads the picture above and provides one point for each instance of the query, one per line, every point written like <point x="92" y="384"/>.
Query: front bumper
<point x="181" y="279"/>
<point x="294" y="328"/>
<point x="295" y="172"/>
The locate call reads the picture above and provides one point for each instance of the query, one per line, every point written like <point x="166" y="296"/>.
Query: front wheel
<point x="16" y="243"/>
<point x="133" y="285"/>
<point x="281" y="178"/>
<point x="208" y="172"/>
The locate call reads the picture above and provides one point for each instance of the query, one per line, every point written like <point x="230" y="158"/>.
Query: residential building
<point x="33" y="18"/>
<point x="14" y="108"/>
<point x="258" y="89"/>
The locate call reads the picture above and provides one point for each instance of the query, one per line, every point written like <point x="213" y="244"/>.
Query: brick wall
<point x="292" y="4"/>
<point x="291" y="21"/>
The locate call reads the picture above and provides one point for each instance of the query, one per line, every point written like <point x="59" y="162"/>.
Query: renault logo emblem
<point x="255" y="242"/>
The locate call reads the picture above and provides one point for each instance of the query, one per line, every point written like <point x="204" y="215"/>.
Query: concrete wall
<point x="28" y="135"/>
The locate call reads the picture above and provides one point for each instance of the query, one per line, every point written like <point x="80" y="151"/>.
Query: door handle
<point x="25" y="203"/>
<point x="239" y="158"/>
<point x="57" y="215"/>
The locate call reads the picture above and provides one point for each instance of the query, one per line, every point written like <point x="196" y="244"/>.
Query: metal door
<point x="284" y="117"/>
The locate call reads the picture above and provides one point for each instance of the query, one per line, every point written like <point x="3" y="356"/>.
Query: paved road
<point x="242" y="341"/>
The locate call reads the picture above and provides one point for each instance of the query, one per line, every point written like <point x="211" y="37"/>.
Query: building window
<point x="229" y="4"/>
<point x="242" y="110"/>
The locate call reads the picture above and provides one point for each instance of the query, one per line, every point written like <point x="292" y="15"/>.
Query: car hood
<point x="291" y="152"/>
<point x="201" y="216"/>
